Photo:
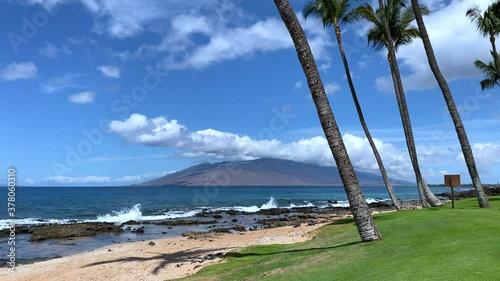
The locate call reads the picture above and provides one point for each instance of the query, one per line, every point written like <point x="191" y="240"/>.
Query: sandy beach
<point x="164" y="259"/>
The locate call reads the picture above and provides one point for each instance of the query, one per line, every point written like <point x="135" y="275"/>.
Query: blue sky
<point x="117" y="92"/>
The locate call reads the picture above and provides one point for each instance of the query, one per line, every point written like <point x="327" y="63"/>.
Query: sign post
<point x="451" y="181"/>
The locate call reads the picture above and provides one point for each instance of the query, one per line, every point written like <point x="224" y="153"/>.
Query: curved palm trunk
<point x="390" y="190"/>
<point x="452" y="108"/>
<point x="494" y="48"/>
<point x="424" y="190"/>
<point x="359" y="208"/>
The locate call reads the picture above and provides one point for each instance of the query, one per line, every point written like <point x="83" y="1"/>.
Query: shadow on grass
<point x="190" y="256"/>
<point x="242" y="255"/>
<point x="342" y="221"/>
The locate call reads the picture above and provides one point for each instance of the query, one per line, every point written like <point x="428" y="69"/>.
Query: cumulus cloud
<point x="109" y="71"/>
<point x="221" y="145"/>
<point x="227" y="43"/>
<point x="484" y="153"/>
<point x="15" y="71"/>
<point x="456" y="44"/>
<point x="49" y="50"/>
<point x="331" y="88"/>
<point x="82" y="98"/>
<point x="196" y="34"/>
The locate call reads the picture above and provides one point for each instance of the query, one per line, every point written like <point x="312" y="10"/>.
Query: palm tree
<point x="359" y="208"/>
<point x="452" y="108"/>
<point x="488" y="24"/>
<point x="391" y="29"/>
<point x="335" y="12"/>
<point x="490" y="71"/>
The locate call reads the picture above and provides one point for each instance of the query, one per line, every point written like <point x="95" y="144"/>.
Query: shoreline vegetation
<point x="326" y="247"/>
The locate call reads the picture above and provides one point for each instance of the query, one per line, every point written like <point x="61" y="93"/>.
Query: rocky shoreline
<point x="490" y="190"/>
<point x="213" y="221"/>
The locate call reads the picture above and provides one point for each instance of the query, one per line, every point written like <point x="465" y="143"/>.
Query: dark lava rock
<point x="131" y="222"/>
<point x="138" y="230"/>
<point x="217" y="216"/>
<point x="490" y="191"/>
<point x="221" y="230"/>
<point x="379" y="204"/>
<point x="185" y="222"/>
<point x="239" y="227"/>
<point x="234" y="212"/>
<point x="273" y="212"/>
<point x="163" y="232"/>
<point x="234" y="220"/>
<point x="58" y="231"/>
<point x="151" y="243"/>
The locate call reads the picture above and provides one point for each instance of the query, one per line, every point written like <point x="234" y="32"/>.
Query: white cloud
<point x="82" y="98"/>
<point x="57" y="84"/>
<point x="229" y="146"/>
<point x="105" y="180"/>
<point x="29" y="181"/>
<point x="110" y="71"/>
<point x="49" y="50"/>
<point x="15" y="71"/>
<point x="484" y="153"/>
<point x="435" y="154"/>
<point x="331" y="88"/>
<point x="223" y="30"/>
<point x="298" y="85"/>
<point x="456" y="44"/>
<point x="155" y="132"/>
<point x="227" y="43"/>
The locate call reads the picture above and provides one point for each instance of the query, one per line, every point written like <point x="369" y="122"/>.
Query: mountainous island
<point x="262" y="172"/>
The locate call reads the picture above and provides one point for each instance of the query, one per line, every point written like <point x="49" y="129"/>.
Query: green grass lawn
<point x="430" y="244"/>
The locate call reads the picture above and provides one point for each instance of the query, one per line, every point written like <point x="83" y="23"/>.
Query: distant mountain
<point x="262" y="172"/>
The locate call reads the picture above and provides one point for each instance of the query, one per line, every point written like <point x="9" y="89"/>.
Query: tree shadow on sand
<point x="242" y="255"/>
<point x="164" y="259"/>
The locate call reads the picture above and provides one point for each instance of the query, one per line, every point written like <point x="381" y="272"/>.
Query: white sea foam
<point x="134" y="213"/>
<point x="124" y="215"/>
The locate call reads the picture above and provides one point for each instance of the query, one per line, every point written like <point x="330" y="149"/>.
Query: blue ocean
<point x="118" y="204"/>
<point x="38" y="205"/>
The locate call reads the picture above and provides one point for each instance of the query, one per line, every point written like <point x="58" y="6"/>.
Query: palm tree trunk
<point x="390" y="190"/>
<point x="452" y="108"/>
<point x="405" y="116"/>
<point x="359" y="208"/>
<point x="495" y="57"/>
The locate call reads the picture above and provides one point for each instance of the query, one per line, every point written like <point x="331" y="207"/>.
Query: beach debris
<point x="151" y="243"/>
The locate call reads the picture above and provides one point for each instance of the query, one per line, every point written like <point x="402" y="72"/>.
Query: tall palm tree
<point x="333" y="13"/>
<point x="488" y="24"/>
<point x="452" y="108"/>
<point x="490" y="72"/>
<point x="391" y="28"/>
<point x="359" y="208"/>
